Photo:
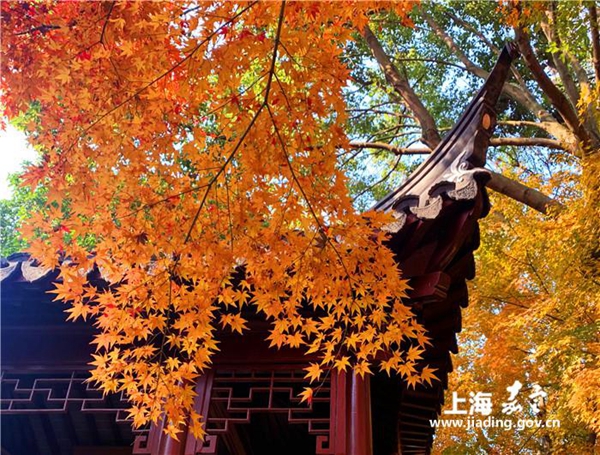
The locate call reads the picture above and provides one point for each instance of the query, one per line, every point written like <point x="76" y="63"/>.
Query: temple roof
<point x="455" y="168"/>
<point x="20" y="268"/>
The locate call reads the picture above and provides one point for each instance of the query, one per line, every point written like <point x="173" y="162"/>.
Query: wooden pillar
<point x="170" y="446"/>
<point x="201" y="406"/>
<point x="156" y="442"/>
<point x="359" y="431"/>
<point x="336" y="442"/>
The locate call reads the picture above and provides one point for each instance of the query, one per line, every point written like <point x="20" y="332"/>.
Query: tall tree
<point x="534" y="313"/>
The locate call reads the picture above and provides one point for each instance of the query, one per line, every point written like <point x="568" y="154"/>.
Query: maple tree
<point x="189" y="152"/>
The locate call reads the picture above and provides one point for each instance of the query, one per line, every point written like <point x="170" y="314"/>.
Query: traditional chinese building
<point x="250" y="397"/>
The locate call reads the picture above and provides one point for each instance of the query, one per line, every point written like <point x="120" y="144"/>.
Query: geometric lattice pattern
<point x="57" y="393"/>
<point x="234" y="396"/>
<point x="239" y="394"/>
<point x="228" y="398"/>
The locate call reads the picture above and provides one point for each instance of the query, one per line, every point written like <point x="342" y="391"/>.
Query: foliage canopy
<point x="191" y="142"/>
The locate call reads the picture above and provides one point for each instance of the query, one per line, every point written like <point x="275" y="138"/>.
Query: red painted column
<point x="170" y="446"/>
<point x="336" y="441"/>
<point x="201" y="406"/>
<point x="159" y="443"/>
<point x="359" y="436"/>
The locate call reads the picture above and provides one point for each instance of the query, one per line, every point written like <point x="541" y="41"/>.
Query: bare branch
<point x="401" y="85"/>
<point x="431" y="60"/>
<point x="526" y="142"/>
<point x="522" y="193"/>
<point x="391" y="148"/>
<point x="595" y="40"/>
<point x="381" y="180"/>
<point x="360" y="112"/>
<point x="110" y="10"/>
<point x="519" y="305"/>
<point x="44" y="28"/>
<point x="494" y="142"/>
<point x="540" y="125"/>
<point x="552" y="92"/>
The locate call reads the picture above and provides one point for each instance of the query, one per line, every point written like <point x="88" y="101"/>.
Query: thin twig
<point x="42" y="28"/>
<point x="380" y="181"/>
<point x="110" y="10"/>
<point x="248" y="128"/>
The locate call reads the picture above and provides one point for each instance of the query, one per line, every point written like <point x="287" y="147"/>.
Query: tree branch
<point x="539" y="125"/>
<point x="595" y="40"/>
<point x="520" y="305"/>
<point x="391" y="148"/>
<point x="522" y="193"/>
<point x="381" y="180"/>
<point x="588" y="115"/>
<point x="471" y="28"/>
<point x="552" y="92"/>
<point x="264" y="104"/>
<point x="431" y="60"/>
<point x="548" y="27"/>
<point x="43" y="29"/>
<point x="400" y="83"/>
<point x="469" y="65"/>
<point x="519" y="94"/>
<point x="110" y="10"/>
<point x="526" y="142"/>
<point x="494" y="142"/>
<point x="499" y="183"/>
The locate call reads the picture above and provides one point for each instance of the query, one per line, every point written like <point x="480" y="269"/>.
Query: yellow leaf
<point x="342" y="364"/>
<point x="314" y="372"/>
<point x="306" y="395"/>
<point x="428" y="376"/>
